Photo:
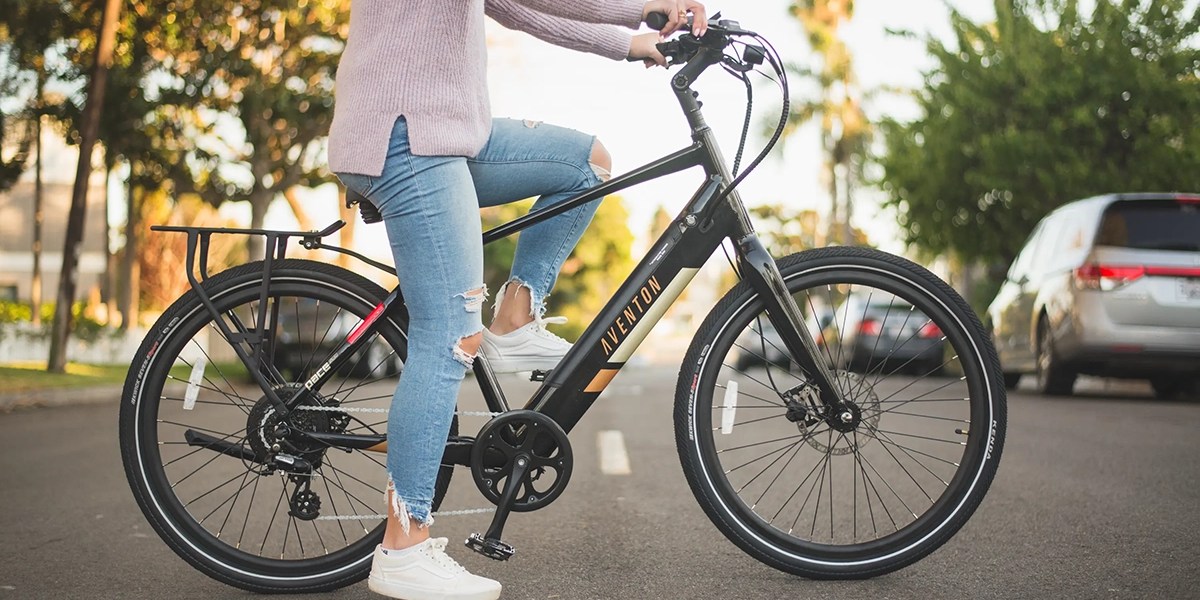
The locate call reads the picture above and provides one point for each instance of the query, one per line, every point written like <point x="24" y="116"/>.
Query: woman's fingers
<point x="676" y="16"/>
<point x="677" y="13"/>
<point x="700" y="20"/>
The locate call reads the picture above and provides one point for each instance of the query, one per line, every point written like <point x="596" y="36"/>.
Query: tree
<point x="268" y="64"/>
<point x="89" y="130"/>
<point x="1044" y="106"/>
<point x="786" y="230"/>
<point x="845" y="130"/>
<point x="589" y="277"/>
<point x="28" y="33"/>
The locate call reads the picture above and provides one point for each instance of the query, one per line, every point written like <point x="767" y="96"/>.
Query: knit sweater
<point x="427" y="61"/>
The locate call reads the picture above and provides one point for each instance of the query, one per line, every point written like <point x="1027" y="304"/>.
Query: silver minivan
<point x="1106" y="286"/>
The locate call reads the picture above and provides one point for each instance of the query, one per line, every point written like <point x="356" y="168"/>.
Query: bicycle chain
<point x="443" y="513"/>
<point x="463" y="413"/>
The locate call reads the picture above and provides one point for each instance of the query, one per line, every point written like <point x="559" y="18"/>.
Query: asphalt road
<point x="1096" y="497"/>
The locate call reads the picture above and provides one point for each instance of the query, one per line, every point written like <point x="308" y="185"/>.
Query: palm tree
<point x="845" y="131"/>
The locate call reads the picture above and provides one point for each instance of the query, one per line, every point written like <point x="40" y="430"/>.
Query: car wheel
<point x="1176" y="387"/>
<point x="1011" y="380"/>
<point x="1053" y="379"/>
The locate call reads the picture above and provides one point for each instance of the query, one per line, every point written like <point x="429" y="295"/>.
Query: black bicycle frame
<point x="713" y="214"/>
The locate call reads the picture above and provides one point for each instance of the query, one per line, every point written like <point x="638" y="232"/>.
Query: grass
<point x="24" y="377"/>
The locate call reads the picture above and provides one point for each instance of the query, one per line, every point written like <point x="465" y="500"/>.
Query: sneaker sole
<point x="519" y="365"/>
<point x="412" y="592"/>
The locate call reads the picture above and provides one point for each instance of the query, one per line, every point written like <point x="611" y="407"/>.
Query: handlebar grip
<point x="657" y="21"/>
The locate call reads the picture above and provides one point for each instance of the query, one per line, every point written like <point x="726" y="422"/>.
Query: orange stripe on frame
<point x="601" y="381"/>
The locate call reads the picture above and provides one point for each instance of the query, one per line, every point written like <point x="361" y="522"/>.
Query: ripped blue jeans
<point x="430" y="207"/>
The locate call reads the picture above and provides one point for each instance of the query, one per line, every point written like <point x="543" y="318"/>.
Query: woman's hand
<point x="677" y="12"/>
<point x="645" y="47"/>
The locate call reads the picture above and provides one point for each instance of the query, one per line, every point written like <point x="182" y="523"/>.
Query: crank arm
<point x="489" y="544"/>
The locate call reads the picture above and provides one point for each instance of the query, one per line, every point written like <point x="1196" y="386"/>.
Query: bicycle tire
<point x="166" y="361"/>
<point x="711" y="464"/>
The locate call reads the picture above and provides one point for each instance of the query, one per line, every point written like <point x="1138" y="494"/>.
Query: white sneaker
<point x="426" y="572"/>
<point x="526" y="349"/>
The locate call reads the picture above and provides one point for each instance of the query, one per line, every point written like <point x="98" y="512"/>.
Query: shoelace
<point x="540" y="327"/>
<point x="437" y="551"/>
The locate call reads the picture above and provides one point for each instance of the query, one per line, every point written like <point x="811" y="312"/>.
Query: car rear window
<point x="1151" y="225"/>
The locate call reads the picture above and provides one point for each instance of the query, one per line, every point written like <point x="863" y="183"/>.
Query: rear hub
<point x="268" y="434"/>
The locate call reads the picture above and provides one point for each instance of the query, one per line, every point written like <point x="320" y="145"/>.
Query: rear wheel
<point x="1176" y="387"/>
<point x="860" y="489"/>
<point x="229" y="513"/>
<point x="1053" y="378"/>
<point x="1012" y="380"/>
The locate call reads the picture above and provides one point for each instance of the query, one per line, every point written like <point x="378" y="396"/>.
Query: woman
<point x="412" y="131"/>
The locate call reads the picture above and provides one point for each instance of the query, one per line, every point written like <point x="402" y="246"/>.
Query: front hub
<point x="844" y="417"/>
<point x="837" y="429"/>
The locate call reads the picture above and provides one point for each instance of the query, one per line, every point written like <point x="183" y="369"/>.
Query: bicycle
<point x="796" y="374"/>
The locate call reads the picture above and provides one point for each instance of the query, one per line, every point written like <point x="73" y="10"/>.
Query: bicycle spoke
<point x="753" y="421"/>
<point x="796" y="491"/>
<point x="760" y="399"/>
<point x="246" y="520"/>
<point x="271" y="523"/>
<point x="233" y="497"/>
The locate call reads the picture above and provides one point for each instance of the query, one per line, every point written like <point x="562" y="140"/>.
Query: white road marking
<point x="613" y="458"/>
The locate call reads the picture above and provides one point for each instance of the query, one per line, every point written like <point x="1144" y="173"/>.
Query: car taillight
<point x="929" y="331"/>
<point x="869" y="327"/>
<point x="1187" y="198"/>
<point x="1107" y="277"/>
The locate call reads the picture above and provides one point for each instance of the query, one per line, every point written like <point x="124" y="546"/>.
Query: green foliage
<point x="590" y="275"/>
<point x="1045" y="106"/>
<point x="786" y="230"/>
<point x="28" y="30"/>
<point x="84" y="326"/>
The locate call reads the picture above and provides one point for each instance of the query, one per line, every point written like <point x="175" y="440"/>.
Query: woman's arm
<point x="628" y="13"/>
<point x="603" y="40"/>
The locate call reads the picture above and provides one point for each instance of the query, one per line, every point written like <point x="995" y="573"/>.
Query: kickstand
<point x="490" y="545"/>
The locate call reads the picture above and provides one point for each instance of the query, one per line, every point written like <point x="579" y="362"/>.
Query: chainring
<point x="529" y="434"/>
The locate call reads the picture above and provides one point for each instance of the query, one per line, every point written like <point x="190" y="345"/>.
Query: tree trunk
<point x="108" y="291"/>
<point x="260" y="201"/>
<point x="131" y="268"/>
<point x="35" y="287"/>
<point x="834" y="221"/>
<point x="89" y="130"/>
<point x="848" y="209"/>
<point x="302" y="218"/>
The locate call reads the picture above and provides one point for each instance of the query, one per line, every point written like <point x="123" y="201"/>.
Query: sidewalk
<point x="65" y="396"/>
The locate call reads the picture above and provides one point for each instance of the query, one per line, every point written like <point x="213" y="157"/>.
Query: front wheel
<point x="887" y="477"/>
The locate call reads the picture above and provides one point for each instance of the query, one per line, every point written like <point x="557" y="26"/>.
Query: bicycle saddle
<point x="370" y="213"/>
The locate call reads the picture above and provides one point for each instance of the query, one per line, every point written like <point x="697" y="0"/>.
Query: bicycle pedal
<point x="539" y="375"/>
<point x="493" y="549"/>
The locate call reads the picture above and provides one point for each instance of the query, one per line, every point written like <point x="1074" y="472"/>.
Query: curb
<point x="59" y="397"/>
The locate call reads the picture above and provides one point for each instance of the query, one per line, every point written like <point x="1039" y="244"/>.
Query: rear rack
<point x="250" y="344"/>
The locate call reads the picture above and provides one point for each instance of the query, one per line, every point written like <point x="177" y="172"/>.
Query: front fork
<point x="758" y="268"/>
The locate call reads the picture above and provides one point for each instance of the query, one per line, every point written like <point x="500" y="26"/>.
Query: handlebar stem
<point x="682" y="84"/>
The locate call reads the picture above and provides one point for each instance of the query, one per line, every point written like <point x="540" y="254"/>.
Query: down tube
<point x="634" y="310"/>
